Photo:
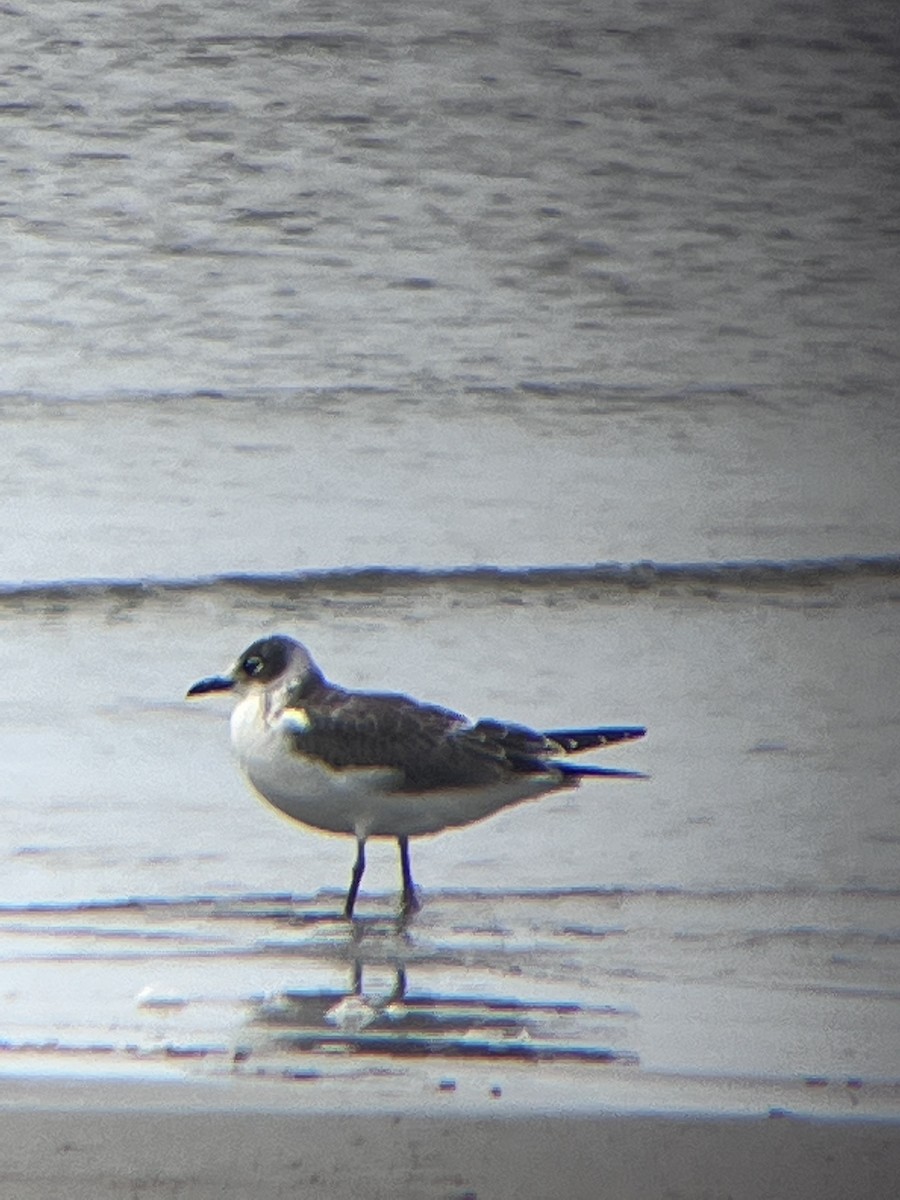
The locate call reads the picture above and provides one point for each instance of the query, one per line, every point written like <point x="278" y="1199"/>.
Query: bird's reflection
<point x="380" y="1013"/>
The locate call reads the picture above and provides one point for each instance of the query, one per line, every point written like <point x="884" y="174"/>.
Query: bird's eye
<point x="253" y="665"/>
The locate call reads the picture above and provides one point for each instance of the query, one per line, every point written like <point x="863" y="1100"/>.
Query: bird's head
<point x="271" y="662"/>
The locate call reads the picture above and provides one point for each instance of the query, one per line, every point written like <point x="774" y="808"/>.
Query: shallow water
<point x="679" y="984"/>
<point x="287" y="294"/>
<point x="188" y="487"/>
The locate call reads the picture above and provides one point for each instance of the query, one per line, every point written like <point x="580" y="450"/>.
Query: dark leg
<point x="410" y="902"/>
<point x="358" y="867"/>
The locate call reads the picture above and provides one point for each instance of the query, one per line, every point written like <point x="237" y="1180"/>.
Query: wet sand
<point x="90" y="1142"/>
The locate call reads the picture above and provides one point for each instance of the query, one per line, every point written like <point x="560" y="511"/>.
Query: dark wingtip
<point x="215" y="683"/>
<point x="573" y="741"/>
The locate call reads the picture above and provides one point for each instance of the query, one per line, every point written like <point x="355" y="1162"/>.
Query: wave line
<point x="749" y="573"/>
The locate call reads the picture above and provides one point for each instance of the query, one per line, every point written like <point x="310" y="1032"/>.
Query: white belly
<point x="361" y="802"/>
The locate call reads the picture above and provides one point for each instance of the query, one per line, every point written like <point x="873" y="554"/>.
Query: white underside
<point x="359" y="802"/>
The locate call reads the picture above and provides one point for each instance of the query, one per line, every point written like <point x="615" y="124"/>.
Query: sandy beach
<point x="102" y="1142"/>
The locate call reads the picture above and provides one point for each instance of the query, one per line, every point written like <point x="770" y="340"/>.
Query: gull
<point x="380" y="764"/>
